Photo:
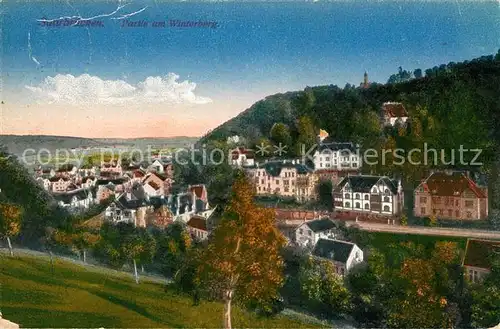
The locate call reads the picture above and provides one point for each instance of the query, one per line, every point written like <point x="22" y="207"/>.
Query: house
<point x="369" y="195"/>
<point x="338" y="156"/>
<point x="242" y="157"/>
<point x="131" y="206"/>
<point x="285" y="178"/>
<point x="201" y="197"/>
<point x="112" y="167"/>
<point x="197" y="227"/>
<point x="157" y="184"/>
<point x="393" y="112"/>
<point x="233" y="139"/>
<point x="334" y="175"/>
<point x="478" y="258"/>
<point x="87" y="182"/>
<point x="105" y="191"/>
<point x="344" y="255"/>
<point x="308" y="233"/>
<point x="45" y="172"/>
<point x="45" y="182"/>
<point x="76" y="200"/>
<point x="450" y="195"/>
<point x="59" y="184"/>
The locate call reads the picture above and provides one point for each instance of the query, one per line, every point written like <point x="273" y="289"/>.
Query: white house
<point x="339" y="156"/>
<point x="76" y="200"/>
<point x="477" y="258"/>
<point x="392" y="112"/>
<point x="197" y="227"/>
<point x="344" y="255"/>
<point x="242" y="157"/>
<point x="369" y="194"/>
<point x="308" y="233"/>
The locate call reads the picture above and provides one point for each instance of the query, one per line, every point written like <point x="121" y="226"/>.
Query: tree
<point x="85" y="241"/>
<point x="280" y="134"/>
<point x="306" y="135"/>
<point x="404" y="220"/>
<point x="10" y="222"/>
<point x="325" y="189"/>
<point x="132" y="247"/>
<point x="242" y="259"/>
<point x="432" y="220"/>
<point x="417" y="73"/>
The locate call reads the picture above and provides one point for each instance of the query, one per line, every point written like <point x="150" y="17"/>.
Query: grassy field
<point x="78" y="296"/>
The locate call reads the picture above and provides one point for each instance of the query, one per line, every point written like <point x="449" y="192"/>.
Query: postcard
<point x="250" y="164"/>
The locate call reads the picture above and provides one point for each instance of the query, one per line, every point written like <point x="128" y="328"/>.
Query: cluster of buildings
<point x="444" y="195"/>
<point x="141" y="194"/>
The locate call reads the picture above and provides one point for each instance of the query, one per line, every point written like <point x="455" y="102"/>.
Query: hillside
<point x="457" y="94"/>
<point x="16" y="144"/>
<point x="76" y="296"/>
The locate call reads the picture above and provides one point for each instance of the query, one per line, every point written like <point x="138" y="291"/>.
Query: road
<point x="443" y="231"/>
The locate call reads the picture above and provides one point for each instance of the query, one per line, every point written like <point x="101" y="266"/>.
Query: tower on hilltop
<point x="365" y="83"/>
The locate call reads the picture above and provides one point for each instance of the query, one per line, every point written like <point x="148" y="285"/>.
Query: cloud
<point x="87" y="89"/>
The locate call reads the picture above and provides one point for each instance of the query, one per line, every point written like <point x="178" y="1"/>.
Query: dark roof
<point x="320" y="225"/>
<point x="364" y="183"/>
<point x="133" y="203"/>
<point x="478" y="253"/>
<point x="115" y="181"/>
<point x="452" y="184"/>
<point x="198" y="222"/>
<point x="274" y="168"/>
<point x="333" y="249"/>
<point x="343" y="147"/>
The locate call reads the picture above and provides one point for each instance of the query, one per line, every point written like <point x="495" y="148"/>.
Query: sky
<point x="114" y="79"/>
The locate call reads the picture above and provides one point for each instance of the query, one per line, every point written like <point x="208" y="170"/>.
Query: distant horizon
<point x="67" y="136"/>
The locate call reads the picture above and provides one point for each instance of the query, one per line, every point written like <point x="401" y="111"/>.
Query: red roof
<point x="198" y="222"/>
<point x="198" y="190"/>
<point x="443" y="184"/>
<point x="394" y="110"/>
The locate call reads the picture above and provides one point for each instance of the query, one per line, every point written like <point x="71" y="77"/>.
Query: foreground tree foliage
<point x="10" y="222"/>
<point x="242" y="261"/>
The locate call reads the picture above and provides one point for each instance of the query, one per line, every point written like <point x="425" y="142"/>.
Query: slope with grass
<point x="76" y="296"/>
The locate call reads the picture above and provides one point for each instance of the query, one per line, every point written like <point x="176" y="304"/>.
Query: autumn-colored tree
<point x="242" y="260"/>
<point x="84" y="241"/>
<point x="404" y="220"/>
<point x="432" y="220"/>
<point x="132" y="247"/>
<point x="445" y="252"/>
<point x="420" y="306"/>
<point x="10" y="222"/>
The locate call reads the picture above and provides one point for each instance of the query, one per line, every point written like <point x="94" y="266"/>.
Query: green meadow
<point x="74" y="295"/>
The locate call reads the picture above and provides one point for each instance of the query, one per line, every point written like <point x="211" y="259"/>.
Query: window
<point x="367" y="206"/>
<point x="456" y="203"/>
<point x="375" y="189"/>
<point x="342" y="271"/>
<point x="262" y="181"/>
<point x="300" y="230"/>
<point x="434" y="211"/>
<point x="277" y="181"/>
<point x="469" y="204"/>
<point x="387" y="209"/>
<point x="327" y="159"/>
<point x="423" y="199"/>
<point x="277" y="189"/>
<point x="358" y="205"/>
<point x="347" y="205"/>
<point x="310" y="233"/>
<point x="422" y="211"/>
<point x="387" y="199"/>
<point x="387" y="191"/>
<point x="457" y="213"/>
<point x="347" y="196"/>
<point x="441" y="211"/>
<point x="450" y="213"/>
<point x="321" y="165"/>
<point x="469" y="214"/>
<point x="366" y="197"/>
